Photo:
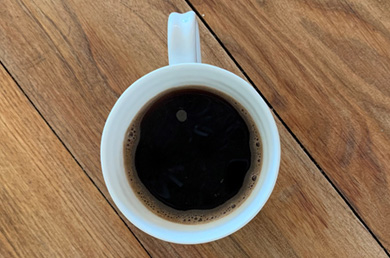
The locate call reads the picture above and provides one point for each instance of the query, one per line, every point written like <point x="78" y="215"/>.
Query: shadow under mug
<point x="185" y="69"/>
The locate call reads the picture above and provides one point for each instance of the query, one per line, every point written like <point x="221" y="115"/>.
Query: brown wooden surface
<point x="49" y="207"/>
<point x="74" y="58"/>
<point x="324" y="66"/>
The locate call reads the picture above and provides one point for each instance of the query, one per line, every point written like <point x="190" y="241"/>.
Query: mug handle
<point x="183" y="38"/>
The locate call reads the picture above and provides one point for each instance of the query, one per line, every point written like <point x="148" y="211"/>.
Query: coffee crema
<point x="192" y="155"/>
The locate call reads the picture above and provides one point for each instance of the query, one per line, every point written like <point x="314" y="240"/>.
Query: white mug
<point x="185" y="69"/>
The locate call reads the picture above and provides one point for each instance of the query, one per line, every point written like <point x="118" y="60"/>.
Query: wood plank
<point x="325" y="68"/>
<point x="49" y="207"/>
<point x="74" y="58"/>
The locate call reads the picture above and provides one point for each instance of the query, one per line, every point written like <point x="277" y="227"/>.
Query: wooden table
<point x="323" y="67"/>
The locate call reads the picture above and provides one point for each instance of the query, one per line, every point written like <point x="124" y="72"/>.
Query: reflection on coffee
<point x="192" y="155"/>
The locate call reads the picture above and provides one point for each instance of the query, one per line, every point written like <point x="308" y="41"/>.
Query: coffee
<point x="192" y="155"/>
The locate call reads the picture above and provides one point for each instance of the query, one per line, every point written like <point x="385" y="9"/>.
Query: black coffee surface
<point x="193" y="150"/>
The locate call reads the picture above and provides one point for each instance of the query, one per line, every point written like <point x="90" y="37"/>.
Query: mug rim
<point x="189" y="234"/>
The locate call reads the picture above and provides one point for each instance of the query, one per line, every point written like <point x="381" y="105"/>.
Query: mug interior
<point x="126" y="108"/>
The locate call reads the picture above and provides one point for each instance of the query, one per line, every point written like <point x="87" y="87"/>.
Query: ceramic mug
<point x="185" y="69"/>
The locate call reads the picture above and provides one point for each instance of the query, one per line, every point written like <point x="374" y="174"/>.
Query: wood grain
<point x="325" y="68"/>
<point x="49" y="207"/>
<point x="74" y="58"/>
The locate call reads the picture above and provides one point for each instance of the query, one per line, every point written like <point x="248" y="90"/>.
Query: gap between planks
<point x="200" y="17"/>
<point x="78" y="163"/>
